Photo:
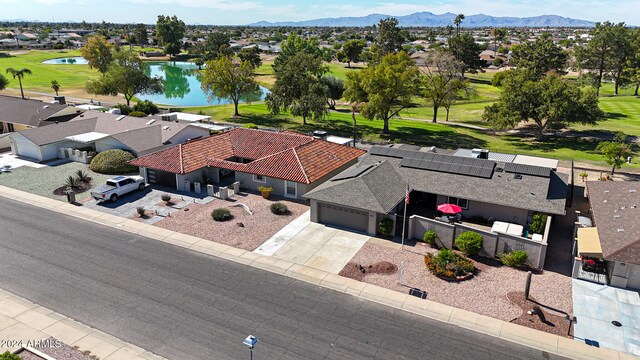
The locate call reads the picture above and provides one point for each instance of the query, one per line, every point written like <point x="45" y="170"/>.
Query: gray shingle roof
<point x="27" y="112"/>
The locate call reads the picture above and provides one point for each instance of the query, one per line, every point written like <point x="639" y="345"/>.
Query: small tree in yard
<point x="470" y="243"/>
<point x="539" y="223"/>
<point x="71" y="182"/>
<point x="221" y="214"/>
<point x="82" y="176"/>
<point x="615" y="152"/>
<point x="55" y="85"/>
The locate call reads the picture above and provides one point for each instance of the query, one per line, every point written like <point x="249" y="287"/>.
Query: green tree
<point x="252" y="55"/>
<point x="55" y="85"/>
<point x="227" y="79"/>
<point x="550" y="102"/>
<point x="540" y="56"/>
<point x="390" y="37"/>
<point x="384" y="89"/>
<point x="621" y="56"/>
<point x="98" y="52"/>
<point x="9" y="356"/>
<point x="498" y="35"/>
<point x="632" y="71"/>
<point x="140" y="34"/>
<point x="217" y="44"/>
<point x="170" y="30"/>
<point x="335" y="89"/>
<point x="595" y="57"/>
<point x="298" y="88"/>
<point x="442" y="81"/>
<point x="3" y="82"/>
<point x="458" y="21"/>
<point x="615" y="152"/>
<point x="19" y="74"/>
<point x="465" y="49"/>
<point x="294" y="45"/>
<point x="126" y="76"/>
<point x="351" y="51"/>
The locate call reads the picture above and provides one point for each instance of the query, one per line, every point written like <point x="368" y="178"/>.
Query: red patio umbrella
<point x="449" y="208"/>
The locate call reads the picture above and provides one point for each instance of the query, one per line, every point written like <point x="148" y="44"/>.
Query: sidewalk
<point x="489" y="326"/>
<point x="22" y="321"/>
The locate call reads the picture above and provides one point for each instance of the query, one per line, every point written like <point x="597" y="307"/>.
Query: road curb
<point x="532" y="338"/>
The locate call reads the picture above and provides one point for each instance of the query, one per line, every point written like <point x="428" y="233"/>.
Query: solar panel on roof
<point x="527" y="169"/>
<point x="486" y="173"/>
<point x="419" y="156"/>
<point x="475" y="171"/>
<point x="352" y="173"/>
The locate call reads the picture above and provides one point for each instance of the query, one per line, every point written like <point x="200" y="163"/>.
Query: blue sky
<point x="225" y="12"/>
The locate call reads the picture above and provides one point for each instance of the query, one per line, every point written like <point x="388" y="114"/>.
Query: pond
<point x="181" y="83"/>
<point x="78" y="60"/>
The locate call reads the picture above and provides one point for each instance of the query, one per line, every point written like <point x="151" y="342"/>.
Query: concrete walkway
<point x="22" y="321"/>
<point x="595" y="306"/>
<point x="401" y="301"/>
<point x="285" y="234"/>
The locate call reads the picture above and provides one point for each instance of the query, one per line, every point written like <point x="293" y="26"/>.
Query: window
<point x="463" y="203"/>
<point x="259" y="178"/>
<point x="290" y="189"/>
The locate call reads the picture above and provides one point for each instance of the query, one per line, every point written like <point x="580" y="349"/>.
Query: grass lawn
<point x="69" y="76"/>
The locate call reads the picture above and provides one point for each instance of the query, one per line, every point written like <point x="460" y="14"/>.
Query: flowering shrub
<point x="448" y="264"/>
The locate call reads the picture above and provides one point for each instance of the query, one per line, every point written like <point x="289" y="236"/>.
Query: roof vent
<point x="632" y="190"/>
<point x="151" y="121"/>
<point x="499" y="169"/>
<point x="620" y="230"/>
<point x="517" y="176"/>
<point x="45" y="107"/>
<point x="165" y="128"/>
<point x="616" y="216"/>
<point x="120" y="117"/>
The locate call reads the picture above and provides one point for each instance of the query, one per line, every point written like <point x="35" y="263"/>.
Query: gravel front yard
<point x="486" y="293"/>
<point x="196" y="220"/>
<point x="61" y="352"/>
<point x="44" y="180"/>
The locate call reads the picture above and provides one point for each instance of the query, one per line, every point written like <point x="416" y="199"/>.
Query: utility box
<point x="210" y="190"/>
<point x="196" y="187"/>
<point x="187" y="185"/>
<point x="71" y="196"/>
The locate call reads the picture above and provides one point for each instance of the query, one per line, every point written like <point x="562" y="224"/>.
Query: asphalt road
<point x="184" y="305"/>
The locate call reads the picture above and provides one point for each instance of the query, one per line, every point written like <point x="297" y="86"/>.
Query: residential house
<point x="611" y="249"/>
<point x="21" y="114"/>
<point x="288" y="162"/>
<point x="103" y="131"/>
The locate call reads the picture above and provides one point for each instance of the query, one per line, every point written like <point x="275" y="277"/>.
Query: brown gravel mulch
<point x="58" y="351"/>
<point x="196" y="220"/>
<point x="360" y="271"/>
<point x="486" y="293"/>
<point x="82" y="187"/>
<point x="555" y="321"/>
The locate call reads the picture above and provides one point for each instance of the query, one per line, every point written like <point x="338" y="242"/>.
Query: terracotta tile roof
<point x="286" y="155"/>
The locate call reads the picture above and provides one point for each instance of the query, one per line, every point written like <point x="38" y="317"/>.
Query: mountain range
<point x="428" y="19"/>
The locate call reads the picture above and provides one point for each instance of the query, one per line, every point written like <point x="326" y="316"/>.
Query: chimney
<point x="60" y="100"/>
<point x="320" y="134"/>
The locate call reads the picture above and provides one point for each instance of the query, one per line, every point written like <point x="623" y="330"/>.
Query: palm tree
<point x="55" y="86"/>
<point x="19" y="74"/>
<point x="457" y="21"/>
<point x="498" y="35"/>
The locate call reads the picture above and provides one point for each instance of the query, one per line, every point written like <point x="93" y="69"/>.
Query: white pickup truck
<point x="118" y="186"/>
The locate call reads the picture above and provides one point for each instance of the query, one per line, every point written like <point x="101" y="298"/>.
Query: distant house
<point x="610" y="251"/>
<point x="103" y="131"/>
<point x="288" y="162"/>
<point x="19" y="114"/>
<point x="26" y="36"/>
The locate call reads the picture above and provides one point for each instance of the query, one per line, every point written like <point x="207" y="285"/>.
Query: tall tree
<point x="294" y="45"/>
<point x="615" y="152"/>
<point x="632" y="72"/>
<point x="3" y="82"/>
<point x="55" y="85"/>
<point x="540" y="56"/>
<point x="458" y="21"/>
<point x="385" y="88"/>
<point x="140" y="33"/>
<point x="335" y="89"/>
<point x="595" y="57"/>
<point x="351" y="51"/>
<point x="170" y="30"/>
<point x="19" y="74"/>
<point x="98" y="52"/>
<point x="465" y="49"/>
<point x="225" y="78"/>
<point x="442" y="81"/>
<point x="252" y="55"/>
<point x="390" y="37"/>
<point x="621" y="55"/>
<point x="498" y="35"/>
<point x="217" y="44"/>
<point x="550" y="103"/>
<point x="126" y="76"/>
<point x="298" y="88"/>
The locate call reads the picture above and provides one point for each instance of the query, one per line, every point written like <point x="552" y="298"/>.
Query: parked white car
<point x="118" y="186"/>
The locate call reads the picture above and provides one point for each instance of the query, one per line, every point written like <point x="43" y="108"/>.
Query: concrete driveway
<point x="596" y="306"/>
<point x="314" y="245"/>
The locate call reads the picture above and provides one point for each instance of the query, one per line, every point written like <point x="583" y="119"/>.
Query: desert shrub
<point x="82" y="176"/>
<point x="515" y="258"/>
<point x="279" y="208"/>
<point x="250" y="126"/>
<point x="165" y="197"/>
<point x="146" y="107"/>
<point x="430" y="237"/>
<point x="221" y="214"/>
<point x="470" y="243"/>
<point x="124" y="109"/>
<point x="140" y="210"/>
<point x="448" y="264"/>
<point x="539" y="223"/>
<point x="137" y="114"/>
<point x="113" y="162"/>
<point x="385" y="226"/>
<point x="9" y="356"/>
<point x="71" y="183"/>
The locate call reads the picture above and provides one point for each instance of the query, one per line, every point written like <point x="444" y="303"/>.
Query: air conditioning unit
<point x="319" y="134"/>
<point x="169" y="117"/>
<point x="480" y="153"/>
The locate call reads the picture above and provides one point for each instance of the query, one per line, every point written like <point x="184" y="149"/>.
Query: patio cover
<point x="87" y="138"/>
<point x="589" y="242"/>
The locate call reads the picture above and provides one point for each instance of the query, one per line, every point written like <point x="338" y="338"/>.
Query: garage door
<point x="161" y="177"/>
<point x="634" y="278"/>
<point x="27" y="149"/>
<point x="343" y="217"/>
